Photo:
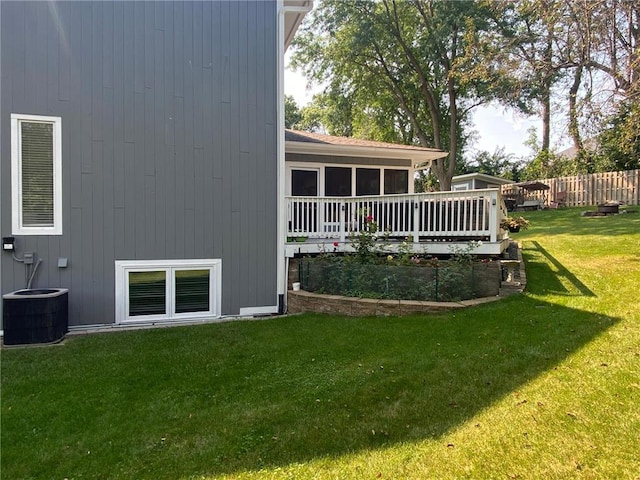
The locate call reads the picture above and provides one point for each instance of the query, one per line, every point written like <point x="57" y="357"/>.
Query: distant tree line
<point x="412" y="71"/>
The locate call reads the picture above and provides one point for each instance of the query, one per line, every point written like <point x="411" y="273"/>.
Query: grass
<point x="542" y="385"/>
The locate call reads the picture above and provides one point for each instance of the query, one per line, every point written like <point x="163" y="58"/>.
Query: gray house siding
<point x="169" y="141"/>
<point x="382" y="162"/>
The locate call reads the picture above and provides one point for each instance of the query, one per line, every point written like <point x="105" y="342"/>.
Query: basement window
<point x="159" y="290"/>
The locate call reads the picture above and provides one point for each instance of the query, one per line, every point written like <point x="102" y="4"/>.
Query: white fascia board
<point x="294" y="12"/>
<point x="417" y="157"/>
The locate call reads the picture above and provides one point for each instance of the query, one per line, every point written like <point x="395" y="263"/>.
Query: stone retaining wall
<point x="301" y="301"/>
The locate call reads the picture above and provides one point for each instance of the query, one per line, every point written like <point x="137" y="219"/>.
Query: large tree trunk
<point x="574" y="131"/>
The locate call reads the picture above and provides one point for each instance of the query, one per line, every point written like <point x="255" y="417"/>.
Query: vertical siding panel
<point x="149" y="132"/>
<point x="107" y="227"/>
<point x="39" y="61"/>
<point x="180" y="61"/>
<point x="77" y="271"/>
<point x="16" y="30"/>
<point x="118" y="120"/>
<point x="172" y="234"/>
<point x="65" y="40"/>
<point x="208" y="160"/>
<point x="168" y="81"/>
<point x="180" y="176"/>
<point x="207" y="30"/>
<point x="86" y="267"/>
<point x="197" y="75"/>
<point x="53" y="64"/>
<point x="149" y="191"/>
<point x="107" y="44"/>
<point x="96" y="71"/>
<point x="96" y="208"/>
<point x="138" y="175"/>
<point x="148" y="44"/>
<point x="158" y="21"/>
<point x="159" y="141"/>
<point x="199" y="203"/>
<point x="217" y="217"/>
<point x="138" y="43"/>
<point x="129" y="234"/>
<point x="85" y="93"/>
<point x="129" y="69"/>
<point x="188" y="117"/>
<point x="119" y="225"/>
<point x="31" y="48"/>
<point x="225" y="217"/>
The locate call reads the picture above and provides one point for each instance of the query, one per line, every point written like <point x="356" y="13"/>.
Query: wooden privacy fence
<point x="590" y="189"/>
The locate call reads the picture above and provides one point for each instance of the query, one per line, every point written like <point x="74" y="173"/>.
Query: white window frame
<point x="124" y="267"/>
<point x="17" y="226"/>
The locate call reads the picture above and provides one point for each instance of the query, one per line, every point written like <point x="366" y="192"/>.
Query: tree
<point x="498" y="164"/>
<point x="292" y="114"/>
<point x="400" y="61"/>
<point x="619" y="143"/>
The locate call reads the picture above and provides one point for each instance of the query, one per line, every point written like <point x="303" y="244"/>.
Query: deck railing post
<point x="416" y="220"/>
<point x="342" y="222"/>
<point x="493" y="216"/>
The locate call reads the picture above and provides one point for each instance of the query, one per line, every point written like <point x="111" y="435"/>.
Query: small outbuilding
<point x="477" y="181"/>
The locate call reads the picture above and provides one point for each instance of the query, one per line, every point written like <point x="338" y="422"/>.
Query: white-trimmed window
<point x="152" y="290"/>
<point x="36" y="175"/>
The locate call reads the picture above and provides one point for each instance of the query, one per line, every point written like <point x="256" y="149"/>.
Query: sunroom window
<point x="337" y="182"/>
<point x="396" y="181"/>
<point x="367" y="181"/>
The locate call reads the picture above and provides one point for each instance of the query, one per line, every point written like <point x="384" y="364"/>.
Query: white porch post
<point x="493" y="217"/>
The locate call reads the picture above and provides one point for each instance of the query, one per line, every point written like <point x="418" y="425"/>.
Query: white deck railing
<point x="469" y="214"/>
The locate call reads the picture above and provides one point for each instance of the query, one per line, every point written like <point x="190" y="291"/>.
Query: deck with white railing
<point x="433" y="222"/>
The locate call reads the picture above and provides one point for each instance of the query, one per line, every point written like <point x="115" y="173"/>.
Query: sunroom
<point x="333" y="184"/>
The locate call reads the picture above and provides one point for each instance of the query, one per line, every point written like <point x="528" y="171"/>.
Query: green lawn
<point x="541" y="385"/>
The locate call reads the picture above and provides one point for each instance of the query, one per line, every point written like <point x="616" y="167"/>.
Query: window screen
<point x="192" y="290"/>
<point x="337" y="182"/>
<point x="147" y="293"/>
<point x="304" y="183"/>
<point x="396" y="181"/>
<point x="37" y="173"/>
<point x="367" y="181"/>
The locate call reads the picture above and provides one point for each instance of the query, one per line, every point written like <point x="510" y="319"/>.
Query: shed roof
<point x="483" y="177"/>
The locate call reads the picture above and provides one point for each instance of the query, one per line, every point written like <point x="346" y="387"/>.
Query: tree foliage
<point x="402" y="66"/>
<point x="292" y="114"/>
<point x="411" y="71"/>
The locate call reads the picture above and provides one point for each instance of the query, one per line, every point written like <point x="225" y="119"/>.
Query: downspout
<point x="281" y="171"/>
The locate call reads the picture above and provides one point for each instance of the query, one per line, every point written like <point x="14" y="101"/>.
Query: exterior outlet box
<point x="8" y="244"/>
<point x="63" y="262"/>
<point x="28" y="258"/>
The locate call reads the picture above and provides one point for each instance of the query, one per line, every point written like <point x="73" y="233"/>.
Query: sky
<point x="495" y="127"/>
